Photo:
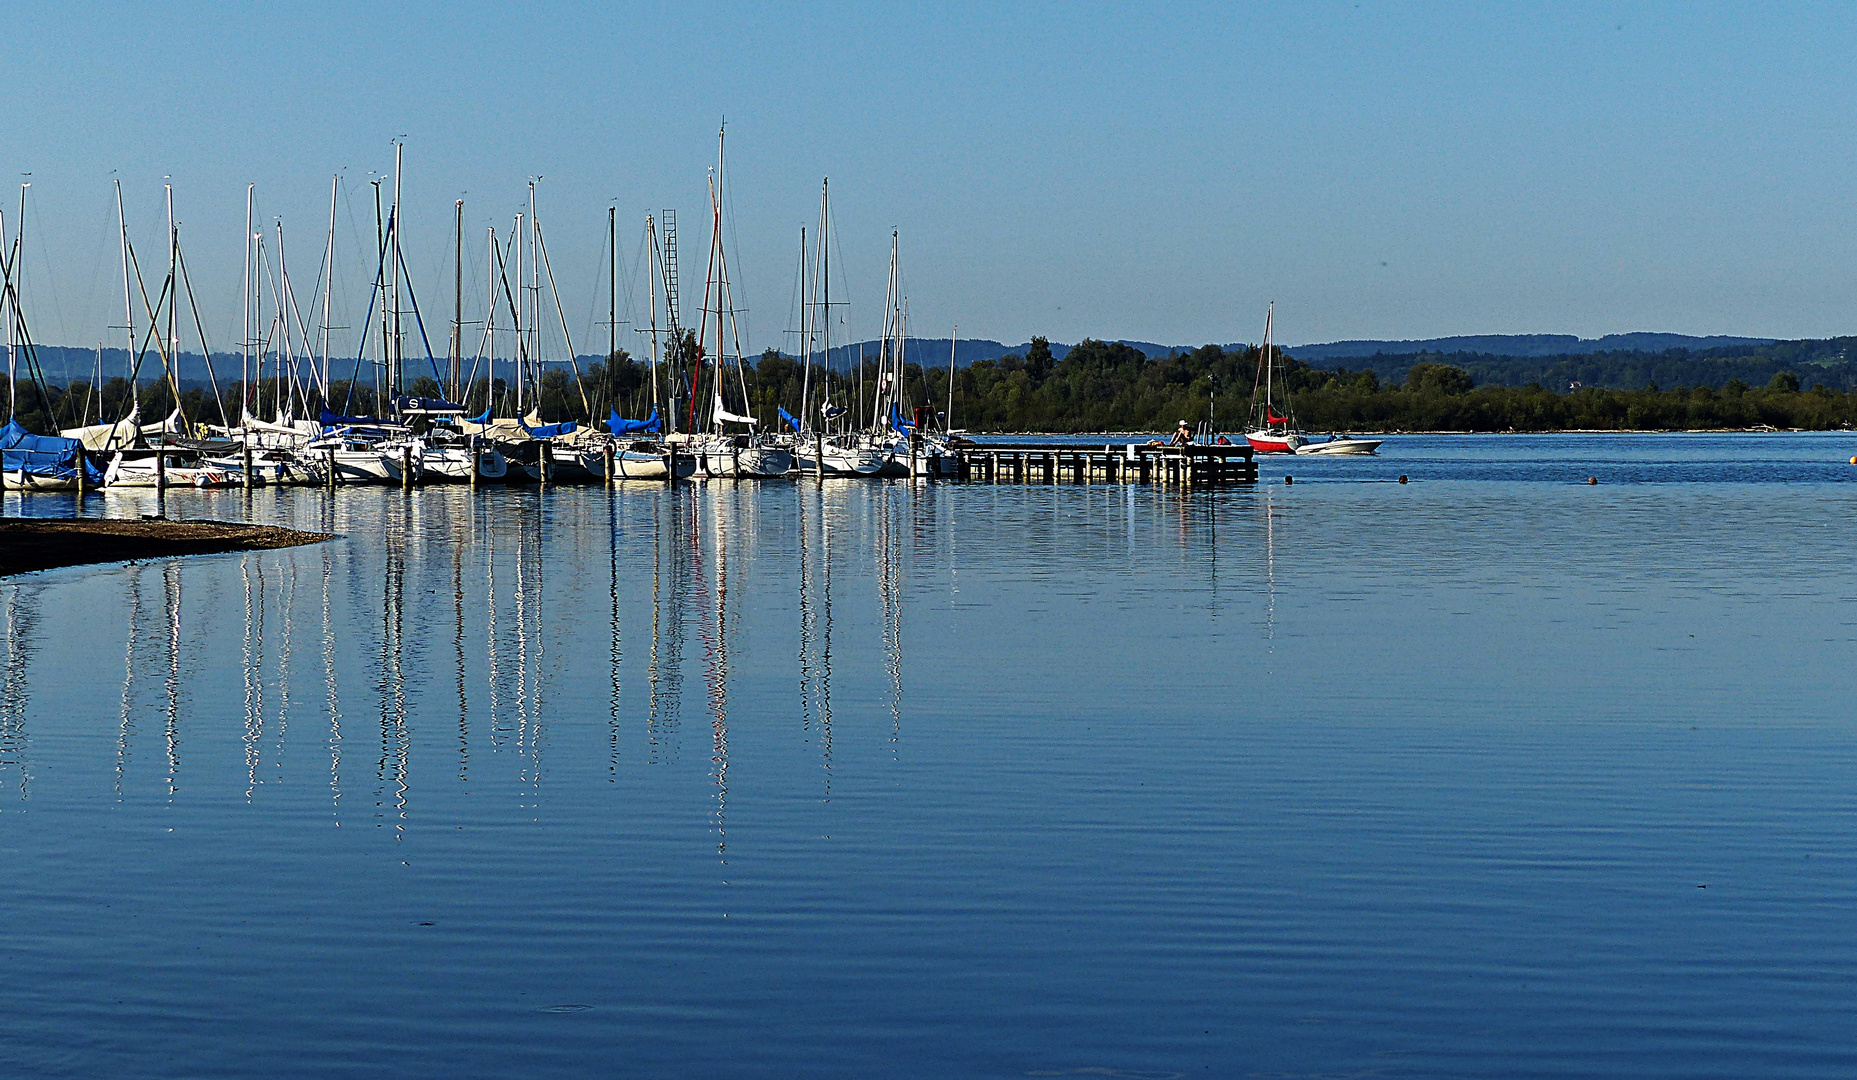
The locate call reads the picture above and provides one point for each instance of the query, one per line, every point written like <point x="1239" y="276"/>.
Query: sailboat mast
<point x="948" y="424"/>
<point x="245" y="328"/>
<point x="516" y="312"/>
<point x="174" y="258"/>
<point x="328" y="283"/>
<point x="612" y="286"/>
<point x="806" y="315"/>
<point x="490" y="282"/>
<point x="393" y="229"/>
<point x="457" y="299"/>
<point x="651" y="239"/>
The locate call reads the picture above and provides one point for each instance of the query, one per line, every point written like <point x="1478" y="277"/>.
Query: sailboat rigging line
<point x="418" y="321"/>
<point x="542" y="245"/>
<point x="366" y="323"/>
<point x="37" y="374"/>
<point x="200" y="329"/>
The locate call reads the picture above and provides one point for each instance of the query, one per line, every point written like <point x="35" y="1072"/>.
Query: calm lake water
<point x="1494" y="773"/>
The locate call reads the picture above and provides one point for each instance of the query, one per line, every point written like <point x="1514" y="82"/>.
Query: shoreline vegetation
<point x="1101" y="386"/>
<point x="29" y="544"/>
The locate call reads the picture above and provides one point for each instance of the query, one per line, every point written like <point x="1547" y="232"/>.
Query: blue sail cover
<point x="792" y="421"/>
<point x="619" y="425"/>
<point x="484" y="419"/>
<point x="426" y="404"/>
<point x="330" y="420"/>
<point x="549" y="431"/>
<point x="51" y="456"/>
<point x="896" y="419"/>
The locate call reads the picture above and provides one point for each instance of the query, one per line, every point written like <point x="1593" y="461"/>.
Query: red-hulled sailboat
<point x="1271" y="433"/>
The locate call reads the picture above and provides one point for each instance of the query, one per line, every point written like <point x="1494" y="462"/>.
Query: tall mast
<point x="535" y="303"/>
<point x="174" y="258"/>
<point x="948" y="424"/>
<point x="825" y="297"/>
<point x="651" y="237"/>
<point x="393" y="228"/>
<point x="521" y="360"/>
<point x="251" y="287"/>
<point x="122" y="227"/>
<point x="612" y="287"/>
<point x="457" y="301"/>
<point x="490" y="281"/>
<point x="380" y="286"/>
<point x="805" y="348"/>
<point x="328" y="283"/>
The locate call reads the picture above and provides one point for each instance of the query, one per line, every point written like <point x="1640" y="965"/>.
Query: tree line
<point x="1097" y="386"/>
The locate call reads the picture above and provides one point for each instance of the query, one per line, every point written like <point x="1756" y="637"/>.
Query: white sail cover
<point x="124" y="432"/>
<point x="723" y="415"/>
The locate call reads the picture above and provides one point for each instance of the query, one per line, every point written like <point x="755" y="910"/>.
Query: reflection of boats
<point x="1269" y="432"/>
<point x="1338" y="445"/>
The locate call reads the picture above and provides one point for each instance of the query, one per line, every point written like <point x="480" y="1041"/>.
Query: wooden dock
<point x="1053" y="463"/>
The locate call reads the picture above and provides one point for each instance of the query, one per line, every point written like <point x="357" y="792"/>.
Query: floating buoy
<point x="1402" y="478"/>
<point x="1592" y="479"/>
<point x="1854" y="461"/>
<point x="1289" y="479"/>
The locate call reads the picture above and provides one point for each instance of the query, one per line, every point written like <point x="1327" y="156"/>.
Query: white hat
<point x="1183" y="423"/>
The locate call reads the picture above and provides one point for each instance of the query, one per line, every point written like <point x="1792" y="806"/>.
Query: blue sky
<point x="1156" y="172"/>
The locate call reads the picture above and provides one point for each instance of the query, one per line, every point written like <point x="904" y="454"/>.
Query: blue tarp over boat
<point x="330" y="420"/>
<point x="426" y="405"/>
<point x="50" y="457"/>
<point x="549" y="431"/>
<point x="619" y="425"/>
<point x="792" y="421"/>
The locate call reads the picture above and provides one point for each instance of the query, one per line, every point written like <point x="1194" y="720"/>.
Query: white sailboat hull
<point x="759" y="462"/>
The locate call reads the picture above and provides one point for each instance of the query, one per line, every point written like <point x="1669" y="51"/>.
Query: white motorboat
<point x="1339" y="445"/>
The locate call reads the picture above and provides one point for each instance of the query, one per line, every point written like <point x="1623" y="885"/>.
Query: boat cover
<point x="427" y="405"/>
<point x="619" y="425"/>
<point x="51" y="456"/>
<point x="330" y="420"/>
<point x="896" y="419"/>
<point x="549" y="431"/>
<point x="792" y="421"/>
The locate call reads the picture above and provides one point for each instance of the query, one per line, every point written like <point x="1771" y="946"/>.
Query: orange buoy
<point x="1854" y="461"/>
<point x="1592" y="479"/>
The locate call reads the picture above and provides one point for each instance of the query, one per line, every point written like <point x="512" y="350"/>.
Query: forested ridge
<point x="1109" y="386"/>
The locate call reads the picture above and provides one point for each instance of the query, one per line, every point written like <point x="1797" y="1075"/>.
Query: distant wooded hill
<point x="1555" y="361"/>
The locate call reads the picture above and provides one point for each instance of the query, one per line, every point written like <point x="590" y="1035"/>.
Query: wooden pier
<point x="1053" y="463"/>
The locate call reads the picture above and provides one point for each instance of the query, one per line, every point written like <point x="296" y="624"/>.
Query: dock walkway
<point x="1050" y="463"/>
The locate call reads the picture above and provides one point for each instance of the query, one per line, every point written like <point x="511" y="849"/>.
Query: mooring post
<point x="248" y="473"/>
<point x="161" y="469"/>
<point x="611" y="456"/>
<point x="670" y="463"/>
<point x="477" y="460"/>
<point x="406" y="467"/>
<point x="330" y="477"/>
<point x="818" y="455"/>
